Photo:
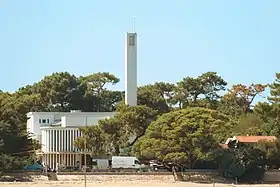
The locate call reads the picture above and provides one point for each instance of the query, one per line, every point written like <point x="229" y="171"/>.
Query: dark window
<point x="40" y="121"/>
<point x="43" y="121"/>
<point x="131" y="40"/>
<point x="48" y="121"/>
<point x="137" y="162"/>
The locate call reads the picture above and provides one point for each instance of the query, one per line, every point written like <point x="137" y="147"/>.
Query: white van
<point x="126" y="162"/>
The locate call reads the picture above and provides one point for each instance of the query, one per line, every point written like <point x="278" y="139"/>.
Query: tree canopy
<point x="183" y="136"/>
<point x="182" y="122"/>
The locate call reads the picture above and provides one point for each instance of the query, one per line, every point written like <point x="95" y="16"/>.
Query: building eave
<point x="60" y="127"/>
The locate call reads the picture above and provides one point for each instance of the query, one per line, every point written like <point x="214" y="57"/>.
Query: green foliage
<point x="183" y="136"/>
<point x="182" y="122"/>
<point x="120" y="131"/>
<point x="244" y="163"/>
<point x="16" y="147"/>
<point x="189" y="91"/>
<point x="93" y="139"/>
<point x="248" y="124"/>
<point x="156" y="96"/>
<point x="238" y="101"/>
<point x="271" y="152"/>
<point x="275" y="90"/>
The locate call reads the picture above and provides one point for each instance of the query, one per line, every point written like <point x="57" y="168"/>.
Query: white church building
<point x="57" y="131"/>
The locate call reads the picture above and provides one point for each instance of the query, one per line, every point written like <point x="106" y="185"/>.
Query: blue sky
<point x="238" y="39"/>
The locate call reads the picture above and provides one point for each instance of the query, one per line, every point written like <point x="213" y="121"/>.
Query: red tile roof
<point x="254" y="139"/>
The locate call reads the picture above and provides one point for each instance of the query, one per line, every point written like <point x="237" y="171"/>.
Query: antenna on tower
<point x="133" y="24"/>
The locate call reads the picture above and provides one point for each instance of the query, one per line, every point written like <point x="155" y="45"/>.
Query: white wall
<point x="79" y="121"/>
<point x="61" y="138"/>
<point x="29" y="126"/>
<point x="131" y="70"/>
<point x="34" y="122"/>
<point x="73" y="119"/>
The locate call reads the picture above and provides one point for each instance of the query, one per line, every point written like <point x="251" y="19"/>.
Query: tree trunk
<point x="133" y="142"/>
<point x="117" y="150"/>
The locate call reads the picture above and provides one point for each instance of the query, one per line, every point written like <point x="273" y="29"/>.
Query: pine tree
<point x="275" y="90"/>
<point x="17" y="149"/>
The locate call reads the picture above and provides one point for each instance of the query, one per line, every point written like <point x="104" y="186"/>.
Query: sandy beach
<point x="125" y="184"/>
<point x="115" y="181"/>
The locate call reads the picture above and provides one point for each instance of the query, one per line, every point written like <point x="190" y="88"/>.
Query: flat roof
<point x="71" y="113"/>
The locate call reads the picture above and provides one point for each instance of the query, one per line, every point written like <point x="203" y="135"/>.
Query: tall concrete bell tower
<point x="131" y="69"/>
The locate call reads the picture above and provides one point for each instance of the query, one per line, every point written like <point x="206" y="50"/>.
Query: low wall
<point x="272" y="176"/>
<point x="94" y="173"/>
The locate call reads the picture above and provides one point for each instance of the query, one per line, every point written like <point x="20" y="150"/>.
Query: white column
<point x="64" y="141"/>
<point x="50" y="132"/>
<point x="131" y="69"/>
<point x="70" y="140"/>
<point x="53" y="142"/>
<point x="50" y="141"/>
<point x="57" y="140"/>
<point x="67" y="140"/>
<point x="47" y="141"/>
<point x="61" y="140"/>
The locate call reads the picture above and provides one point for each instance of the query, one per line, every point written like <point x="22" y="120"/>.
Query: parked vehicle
<point x="33" y="167"/>
<point x="155" y="165"/>
<point x="101" y="164"/>
<point x="126" y="162"/>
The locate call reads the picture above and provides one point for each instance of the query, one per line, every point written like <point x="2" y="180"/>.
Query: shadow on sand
<point x="16" y="178"/>
<point x="201" y="178"/>
<point x="26" y="177"/>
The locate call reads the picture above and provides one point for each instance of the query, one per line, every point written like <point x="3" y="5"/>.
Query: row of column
<point x="62" y="159"/>
<point x="59" y="140"/>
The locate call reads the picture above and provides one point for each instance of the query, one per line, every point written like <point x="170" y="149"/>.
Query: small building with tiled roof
<point x="248" y="139"/>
